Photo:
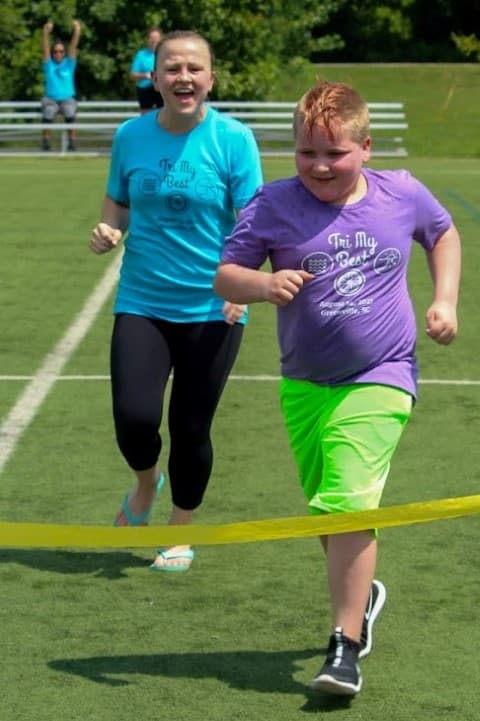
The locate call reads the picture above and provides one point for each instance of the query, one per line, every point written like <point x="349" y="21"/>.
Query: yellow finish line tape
<point x="38" y="535"/>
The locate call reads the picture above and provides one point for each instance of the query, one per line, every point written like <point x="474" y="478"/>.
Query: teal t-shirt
<point x="143" y="62"/>
<point x="60" y="78"/>
<point x="182" y="191"/>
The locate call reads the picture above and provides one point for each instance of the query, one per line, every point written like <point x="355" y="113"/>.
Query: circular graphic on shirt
<point x="177" y="201"/>
<point x="349" y="283"/>
<point x="387" y="260"/>
<point x="317" y="263"/>
<point x="148" y="184"/>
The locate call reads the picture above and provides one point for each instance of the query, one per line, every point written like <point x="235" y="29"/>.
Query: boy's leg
<point x="358" y="442"/>
<point x="351" y="562"/>
<point x="343" y="440"/>
<point x="375" y="602"/>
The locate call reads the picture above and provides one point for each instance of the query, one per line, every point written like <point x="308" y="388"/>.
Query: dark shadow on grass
<point x="110" y="565"/>
<point x="323" y="703"/>
<point x="263" y="671"/>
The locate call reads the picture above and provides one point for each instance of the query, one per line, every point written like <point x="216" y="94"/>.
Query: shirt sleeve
<point x="432" y="219"/>
<point x="245" y="167"/>
<point x="117" y="183"/>
<point x="248" y="243"/>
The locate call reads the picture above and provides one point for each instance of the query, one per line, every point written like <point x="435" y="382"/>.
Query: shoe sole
<point x="329" y="684"/>
<point x="376" y="611"/>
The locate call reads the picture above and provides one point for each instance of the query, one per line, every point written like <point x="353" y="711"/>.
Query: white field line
<point x="233" y="377"/>
<point x="28" y="403"/>
<point x="39" y="385"/>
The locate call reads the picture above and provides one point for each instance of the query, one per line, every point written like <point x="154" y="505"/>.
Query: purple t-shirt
<point x="354" y="322"/>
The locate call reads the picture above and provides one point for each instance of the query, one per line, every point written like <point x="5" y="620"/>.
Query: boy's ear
<point x="367" y="148"/>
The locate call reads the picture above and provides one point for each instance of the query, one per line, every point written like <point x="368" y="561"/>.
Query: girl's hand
<point x="104" y="238"/>
<point x="232" y="312"/>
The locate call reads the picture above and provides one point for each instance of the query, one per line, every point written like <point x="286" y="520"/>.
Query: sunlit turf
<point x="441" y="100"/>
<point x="94" y="635"/>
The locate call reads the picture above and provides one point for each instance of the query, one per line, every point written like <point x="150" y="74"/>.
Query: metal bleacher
<point x="96" y="121"/>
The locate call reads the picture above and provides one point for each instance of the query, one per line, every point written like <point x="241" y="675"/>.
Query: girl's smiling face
<point x="184" y="76"/>
<point x="329" y="163"/>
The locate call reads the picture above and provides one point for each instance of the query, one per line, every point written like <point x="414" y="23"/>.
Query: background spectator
<point x="141" y="71"/>
<point x="59" y="67"/>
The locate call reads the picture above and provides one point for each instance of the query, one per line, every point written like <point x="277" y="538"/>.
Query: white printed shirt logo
<point x="350" y="257"/>
<point x="387" y="260"/>
<point x="317" y="263"/>
<point x="349" y="283"/>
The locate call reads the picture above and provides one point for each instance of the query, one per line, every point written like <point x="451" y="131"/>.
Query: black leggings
<point x="143" y="353"/>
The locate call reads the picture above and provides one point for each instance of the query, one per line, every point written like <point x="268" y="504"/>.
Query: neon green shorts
<point x="343" y="439"/>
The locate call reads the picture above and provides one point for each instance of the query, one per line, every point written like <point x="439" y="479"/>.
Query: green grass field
<point x="93" y="635"/>
<point x="442" y="100"/>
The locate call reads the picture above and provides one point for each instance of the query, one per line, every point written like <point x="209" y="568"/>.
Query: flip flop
<point x="142" y="518"/>
<point x="167" y="555"/>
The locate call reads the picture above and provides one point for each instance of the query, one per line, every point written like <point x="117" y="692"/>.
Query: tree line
<point x="256" y="42"/>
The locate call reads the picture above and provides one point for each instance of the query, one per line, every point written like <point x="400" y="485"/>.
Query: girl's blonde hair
<point x="183" y="35"/>
<point x="333" y="105"/>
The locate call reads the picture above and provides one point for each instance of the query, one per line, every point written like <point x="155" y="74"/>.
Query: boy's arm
<point x="246" y="285"/>
<point x="444" y="261"/>
<point x="46" y="30"/>
<point x="74" y="40"/>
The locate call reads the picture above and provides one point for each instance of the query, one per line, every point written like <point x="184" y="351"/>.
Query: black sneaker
<point x="376" y="602"/>
<point x="339" y="674"/>
<point x="46" y="144"/>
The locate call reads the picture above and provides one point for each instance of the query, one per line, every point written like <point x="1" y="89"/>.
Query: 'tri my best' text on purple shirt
<point x="354" y="322"/>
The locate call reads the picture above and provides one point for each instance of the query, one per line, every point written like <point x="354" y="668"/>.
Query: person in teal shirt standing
<point x="141" y="72"/>
<point x="177" y="178"/>
<point x="59" y="65"/>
